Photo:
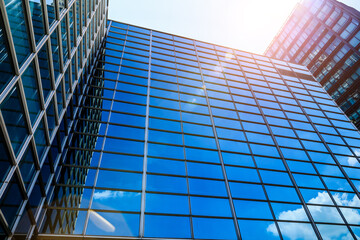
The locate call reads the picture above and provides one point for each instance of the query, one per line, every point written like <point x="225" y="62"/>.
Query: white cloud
<point x="356" y="151"/>
<point x="334" y="232"/>
<point x="344" y="199"/>
<point x="295" y="231"/>
<point x="293" y="215"/>
<point x="108" y="194"/>
<point x="352" y="161"/>
<point x="321" y="198"/>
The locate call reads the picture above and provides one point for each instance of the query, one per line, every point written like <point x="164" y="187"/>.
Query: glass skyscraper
<point x="324" y="35"/>
<point x="47" y="54"/>
<point x="199" y="141"/>
<point x="113" y="131"/>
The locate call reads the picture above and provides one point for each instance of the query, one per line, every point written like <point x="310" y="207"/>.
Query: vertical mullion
<point x="52" y="94"/>
<point x="75" y="12"/>
<point x="86" y="12"/>
<point x="146" y="136"/>
<point x="80" y="17"/>
<point x="45" y="17"/>
<point x="63" y="93"/>
<point x="59" y="35"/>
<point x="29" y="26"/>
<point x="24" y="105"/>
<point x="39" y="83"/>
<point x="184" y="147"/>
<point x="68" y="35"/>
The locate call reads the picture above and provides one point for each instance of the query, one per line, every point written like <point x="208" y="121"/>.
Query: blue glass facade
<point x="199" y="141"/>
<point x="47" y="54"/>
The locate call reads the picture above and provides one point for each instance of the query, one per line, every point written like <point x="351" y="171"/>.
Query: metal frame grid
<point x="329" y="53"/>
<point x="83" y="136"/>
<point x="133" y="65"/>
<point x="72" y="76"/>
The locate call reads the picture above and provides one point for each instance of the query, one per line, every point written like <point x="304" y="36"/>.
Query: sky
<point x="248" y="25"/>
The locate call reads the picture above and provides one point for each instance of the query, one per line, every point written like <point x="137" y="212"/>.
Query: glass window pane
<point x="64" y="40"/>
<point x="31" y="92"/>
<point x="116" y="200"/>
<point x="204" y="170"/>
<point x="334" y="231"/>
<point x="166" y="184"/>
<point x="50" y="4"/>
<point x="40" y="139"/>
<point x="250" y="230"/>
<point x="59" y="98"/>
<point x="37" y="19"/>
<point x="55" y="52"/>
<point x="4" y="160"/>
<point x="124" y="180"/>
<point x="161" y="203"/>
<point x="210" y="206"/>
<point x="252" y="209"/>
<point x="167" y="226"/>
<point x="273" y="177"/>
<point x="292" y="212"/>
<point x="246" y="190"/>
<point x="325" y="214"/>
<point x="207" y="187"/>
<point x="18" y="26"/>
<point x="43" y="58"/>
<point x="50" y="113"/>
<point x="27" y="167"/>
<point x="242" y="174"/>
<point x="210" y="228"/>
<point x="121" y="162"/>
<point x="165" y="166"/>
<point x="300" y="230"/>
<point x="6" y="67"/>
<point x="124" y="146"/>
<point x="113" y="224"/>
<point x="11" y="201"/>
<point x="287" y="194"/>
<point x="14" y="119"/>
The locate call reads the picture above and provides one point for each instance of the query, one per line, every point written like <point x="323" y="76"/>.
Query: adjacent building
<point x="324" y="35"/>
<point x="200" y="141"/>
<point x="47" y="54"/>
